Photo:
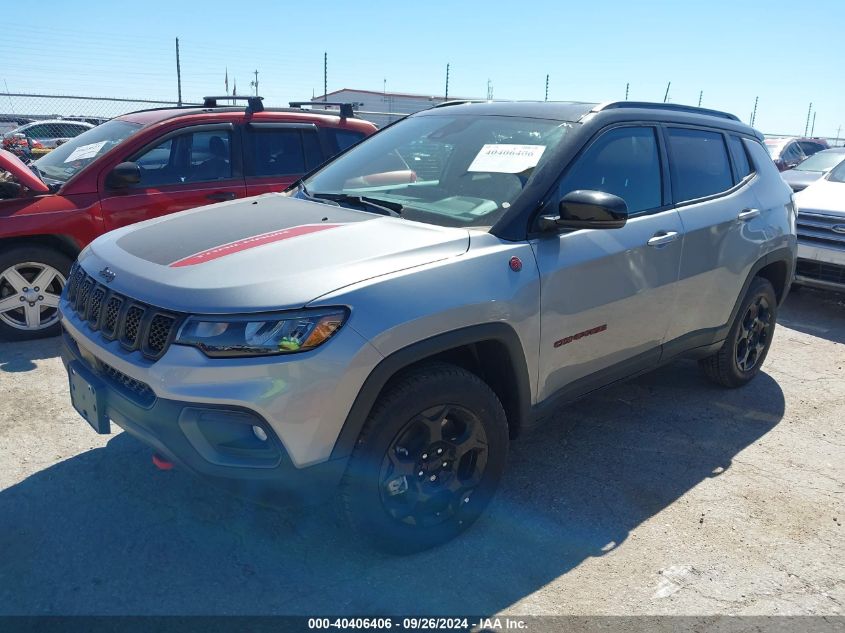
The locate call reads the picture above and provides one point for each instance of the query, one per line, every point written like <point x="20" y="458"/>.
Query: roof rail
<point x="346" y="109"/>
<point x="614" y="105"/>
<point x="253" y="104"/>
<point x="453" y="102"/>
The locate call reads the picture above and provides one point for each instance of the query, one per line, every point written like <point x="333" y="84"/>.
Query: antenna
<point x="754" y="112"/>
<point x="628" y="85"/>
<point x="813" y="127"/>
<point x="325" y="76"/>
<point x="446" y="95"/>
<point x="547" y="88"/>
<point x="700" y="95"/>
<point x="666" y="96"/>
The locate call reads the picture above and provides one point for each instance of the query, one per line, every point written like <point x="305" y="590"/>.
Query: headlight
<point x="261" y="334"/>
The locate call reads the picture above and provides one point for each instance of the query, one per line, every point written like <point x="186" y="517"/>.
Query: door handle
<point x="747" y="214"/>
<point x="662" y="238"/>
<point x="222" y="195"/>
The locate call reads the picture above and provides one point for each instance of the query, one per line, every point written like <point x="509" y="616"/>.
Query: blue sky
<point x="732" y="50"/>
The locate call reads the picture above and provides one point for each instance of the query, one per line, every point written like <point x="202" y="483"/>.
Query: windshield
<point x="822" y="161"/>
<point x="69" y="159"/>
<point x="456" y="170"/>
<point x="838" y="173"/>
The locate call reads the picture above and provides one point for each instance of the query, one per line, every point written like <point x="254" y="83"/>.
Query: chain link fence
<point x="20" y="108"/>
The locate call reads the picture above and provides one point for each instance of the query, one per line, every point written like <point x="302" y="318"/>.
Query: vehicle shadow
<point x="815" y="312"/>
<point x="19" y="356"/>
<point x="104" y="532"/>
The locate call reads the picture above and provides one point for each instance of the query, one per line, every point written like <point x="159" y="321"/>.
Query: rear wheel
<point x="428" y="460"/>
<point x="744" y="350"/>
<point x="31" y="281"/>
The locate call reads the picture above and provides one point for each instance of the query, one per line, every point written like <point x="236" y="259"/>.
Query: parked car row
<point x="140" y="166"/>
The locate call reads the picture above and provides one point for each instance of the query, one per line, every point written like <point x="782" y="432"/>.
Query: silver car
<point x="821" y="232"/>
<point x="50" y="134"/>
<point x="388" y="332"/>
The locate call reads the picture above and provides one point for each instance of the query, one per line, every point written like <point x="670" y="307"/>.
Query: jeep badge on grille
<point x="107" y="274"/>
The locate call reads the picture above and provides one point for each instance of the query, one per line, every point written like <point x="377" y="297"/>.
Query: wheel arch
<point x="61" y="243"/>
<point x="492" y="351"/>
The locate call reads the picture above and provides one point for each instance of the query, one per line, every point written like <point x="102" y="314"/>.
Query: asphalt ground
<point x="664" y="495"/>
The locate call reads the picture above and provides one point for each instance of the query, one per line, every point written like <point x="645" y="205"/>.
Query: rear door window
<point x="699" y="164"/>
<point x="281" y="151"/>
<point x="344" y="139"/>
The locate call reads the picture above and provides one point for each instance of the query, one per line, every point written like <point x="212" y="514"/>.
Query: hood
<point x="799" y="179"/>
<point x="824" y="196"/>
<point x="11" y="163"/>
<point x="265" y="253"/>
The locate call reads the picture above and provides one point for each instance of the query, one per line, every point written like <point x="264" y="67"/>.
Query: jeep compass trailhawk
<point x="394" y="319"/>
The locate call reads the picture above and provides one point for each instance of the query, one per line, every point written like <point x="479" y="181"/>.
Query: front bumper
<point x="172" y="428"/>
<point x="820" y="267"/>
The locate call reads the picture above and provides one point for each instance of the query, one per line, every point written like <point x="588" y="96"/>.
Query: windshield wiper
<point x="385" y="207"/>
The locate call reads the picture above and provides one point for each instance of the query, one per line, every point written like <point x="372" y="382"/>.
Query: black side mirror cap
<point x="123" y="175"/>
<point x="587" y="209"/>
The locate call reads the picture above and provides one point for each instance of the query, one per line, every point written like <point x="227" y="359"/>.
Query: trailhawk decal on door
<point x="250" y="242"/>
<point x="580" y="335"/>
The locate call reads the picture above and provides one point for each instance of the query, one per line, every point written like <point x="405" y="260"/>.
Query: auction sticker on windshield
<point x="506" y="158"/>
<point x="85" y="151"/>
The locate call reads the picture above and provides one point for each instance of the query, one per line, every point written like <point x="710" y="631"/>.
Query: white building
<point x="383" y="107"/>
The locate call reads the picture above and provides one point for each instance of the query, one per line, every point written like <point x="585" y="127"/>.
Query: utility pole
<point x="178" y="76"/>
<point x="754" y="112"/>
<point x="627" y="86"/>
<point x="325" y="76"/>
<point x="446" y="95"/>
<point x="666" y="96"/>
<point x="813" y="127"/>
<point x="254" y="84"/>
<point x="489" y="90"/>
<point x="807" y="124"/>
<point x="700" y="95"/>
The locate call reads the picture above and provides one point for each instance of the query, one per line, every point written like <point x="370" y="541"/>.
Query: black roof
<point x="575" y="111"/>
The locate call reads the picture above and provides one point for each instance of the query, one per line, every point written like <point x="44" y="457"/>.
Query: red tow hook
<point x="161" y="463"/>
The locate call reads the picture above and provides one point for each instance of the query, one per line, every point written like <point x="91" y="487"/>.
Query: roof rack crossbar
<point x="253" y="103"/>
<point x="346" y="109"/>
<point x="664" y="106"/>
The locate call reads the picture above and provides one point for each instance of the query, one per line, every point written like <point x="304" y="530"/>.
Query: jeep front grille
<point x="137" y="325"/>
<point x="817" y="228"/>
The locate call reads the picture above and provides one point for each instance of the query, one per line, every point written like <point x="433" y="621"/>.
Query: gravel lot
<point x="665" y="495"/>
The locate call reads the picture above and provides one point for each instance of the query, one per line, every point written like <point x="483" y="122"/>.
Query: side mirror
<point x="123" y="175"/>
<point x="586" y="209"/>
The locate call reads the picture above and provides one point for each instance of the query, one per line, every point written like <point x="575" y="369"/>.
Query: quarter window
<point x="345" y="138"/>
<point x="739" y="156"/>
<point x="700" y="165"/>
<point x="624" y="162"/>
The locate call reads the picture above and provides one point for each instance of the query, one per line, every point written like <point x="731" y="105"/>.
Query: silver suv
<point x="394" y="320"/>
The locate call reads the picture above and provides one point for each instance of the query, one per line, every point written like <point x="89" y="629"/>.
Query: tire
<point x="404" y="491"/>
<point x="749" y="339"/>
<point x="26" y="313"/>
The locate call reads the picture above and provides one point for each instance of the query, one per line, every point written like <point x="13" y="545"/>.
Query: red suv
<point x="140" y="166"/>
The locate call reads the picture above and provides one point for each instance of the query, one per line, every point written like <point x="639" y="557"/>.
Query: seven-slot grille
<point x="137" y="325"/>
<point x="817" y="228"/>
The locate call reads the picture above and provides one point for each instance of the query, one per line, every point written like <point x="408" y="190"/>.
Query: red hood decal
<point x="15" y="166"/>
<point x="250" y="242"/>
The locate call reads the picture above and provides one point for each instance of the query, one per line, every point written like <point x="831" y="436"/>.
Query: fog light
<point x="259" y="433"/>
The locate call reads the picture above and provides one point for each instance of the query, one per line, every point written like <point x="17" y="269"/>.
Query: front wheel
<point x="749" y="339"/>
<point x="31" y="281"/>
<point x="428" y="460"/>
